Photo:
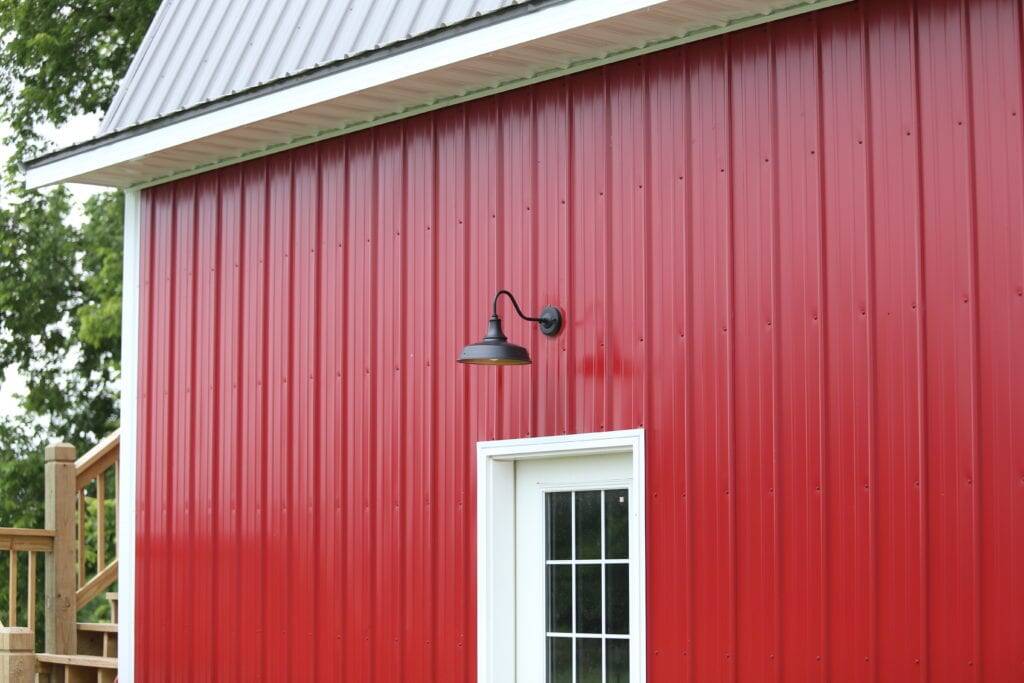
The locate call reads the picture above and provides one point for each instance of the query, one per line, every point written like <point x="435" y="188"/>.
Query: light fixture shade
<point x="495" y="349"/>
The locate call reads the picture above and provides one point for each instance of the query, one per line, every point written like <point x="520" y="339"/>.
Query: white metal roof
<point x="516" y="43"/>
<point x="201" y="50"/>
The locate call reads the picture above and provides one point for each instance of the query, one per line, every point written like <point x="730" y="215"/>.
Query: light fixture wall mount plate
<point x="551" y="320"/>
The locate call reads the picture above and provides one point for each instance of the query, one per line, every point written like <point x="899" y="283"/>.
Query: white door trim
<point x="496" y="533"/>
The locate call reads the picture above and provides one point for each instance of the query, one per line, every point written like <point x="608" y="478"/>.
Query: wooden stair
<point x="76" y="668"/>
<point x="77" y="491"/>
<point x="96" y="661"/>
<point x="100" y="640"/>
<point x="97" y="640"/>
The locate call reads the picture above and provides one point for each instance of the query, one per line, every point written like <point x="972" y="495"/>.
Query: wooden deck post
<point x="61" y="607"/>
<point x="17" y="659"/>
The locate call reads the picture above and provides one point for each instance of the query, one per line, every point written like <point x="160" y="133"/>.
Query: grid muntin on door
<point x="587" y="585"/>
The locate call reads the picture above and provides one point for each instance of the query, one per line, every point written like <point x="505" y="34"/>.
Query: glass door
<point x="575" y="597"/>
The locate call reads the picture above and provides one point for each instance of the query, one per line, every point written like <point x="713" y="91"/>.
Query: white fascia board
<point x="516" y="31"/>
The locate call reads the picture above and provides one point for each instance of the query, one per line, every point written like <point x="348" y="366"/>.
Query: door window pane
<point x="588" y="660"/>
<point x="559" y="522"/>
<point x="616" y="524"/>
<point x="588" y="525"/>
<point x="560" y="660"/>
<point x="588" y="598"/>
<point x="617" y="598"/>
<point x="559" y="598"/>
<point x="617" y="661"/>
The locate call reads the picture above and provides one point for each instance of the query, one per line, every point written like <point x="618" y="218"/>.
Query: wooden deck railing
<point x="17" y="543"/>
<point x="96" y="472"/>
<point x="78" y="495"/>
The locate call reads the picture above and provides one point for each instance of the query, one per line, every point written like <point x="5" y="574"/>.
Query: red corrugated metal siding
<point x="795" y="255"/>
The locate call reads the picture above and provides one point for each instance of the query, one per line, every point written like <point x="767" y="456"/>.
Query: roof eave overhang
<point x="475" y="61"/>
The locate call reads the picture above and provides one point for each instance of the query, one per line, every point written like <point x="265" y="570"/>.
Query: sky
<point x="76" y="130"/>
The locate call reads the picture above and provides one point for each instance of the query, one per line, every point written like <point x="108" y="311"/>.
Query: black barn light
<point x="495" y="349"/>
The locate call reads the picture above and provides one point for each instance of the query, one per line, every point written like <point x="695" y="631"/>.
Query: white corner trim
<point x="129" y="438"/>
<point x="496" y="533"/>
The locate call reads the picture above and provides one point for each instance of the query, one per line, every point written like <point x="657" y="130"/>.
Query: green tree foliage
<point x="62" y="58"/>
<point x="60" y="280"/>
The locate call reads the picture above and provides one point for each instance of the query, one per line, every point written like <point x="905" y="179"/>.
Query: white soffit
<point x="552" y="40"/>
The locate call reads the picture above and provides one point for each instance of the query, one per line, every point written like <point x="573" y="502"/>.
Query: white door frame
<point x="496" y="534"/>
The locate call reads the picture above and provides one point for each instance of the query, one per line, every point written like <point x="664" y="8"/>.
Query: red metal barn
<point x="791" y="263"/>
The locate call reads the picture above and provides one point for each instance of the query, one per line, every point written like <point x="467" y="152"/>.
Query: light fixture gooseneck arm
<point x="515" y="304"/>
<point x="550" y="320"/>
